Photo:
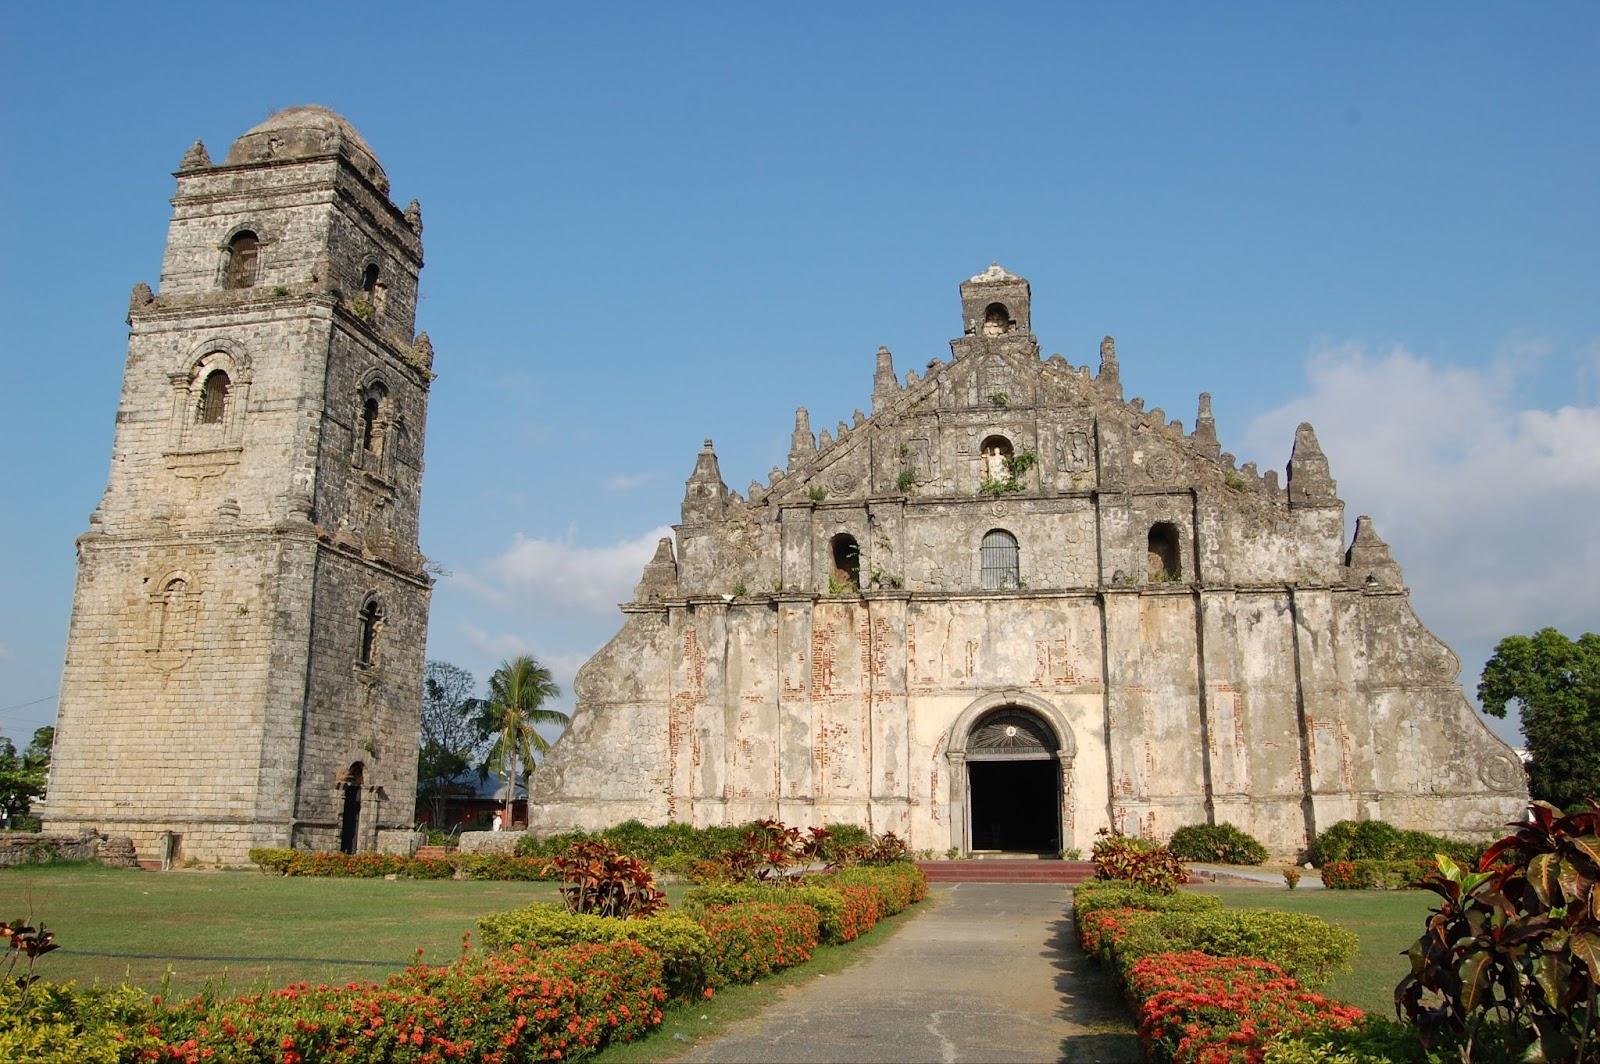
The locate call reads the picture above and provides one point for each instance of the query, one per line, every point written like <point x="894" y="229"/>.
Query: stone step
<point x="433" y="853"/>
<point x="1003" y="871"/>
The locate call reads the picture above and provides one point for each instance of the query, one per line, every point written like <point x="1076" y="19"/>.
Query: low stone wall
<point x="490" y="841"/>
<point x="37" y="847"/>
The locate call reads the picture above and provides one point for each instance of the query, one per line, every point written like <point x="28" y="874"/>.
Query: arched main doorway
<point x="1014" y="783"/>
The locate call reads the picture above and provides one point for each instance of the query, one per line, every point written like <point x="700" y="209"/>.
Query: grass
<point x="1386" y="921"/>
<point x="207" y="926"/>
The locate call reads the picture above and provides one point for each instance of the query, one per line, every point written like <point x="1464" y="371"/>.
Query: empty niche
<point x="1165" y="562"/>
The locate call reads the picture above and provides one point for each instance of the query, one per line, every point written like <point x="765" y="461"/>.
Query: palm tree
<point x="517" y="692"/>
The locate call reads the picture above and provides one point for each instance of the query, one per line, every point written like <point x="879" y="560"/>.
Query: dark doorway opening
<point x="1016" y="805"/>
<point x="350" y="818"/>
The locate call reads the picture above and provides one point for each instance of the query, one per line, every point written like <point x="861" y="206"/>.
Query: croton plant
<point x="1508" y="966"/>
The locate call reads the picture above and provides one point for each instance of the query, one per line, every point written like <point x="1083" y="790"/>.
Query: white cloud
<point x="626" y="481"/>
<point x="562" y="574"/>
<point x="1488" y="502"/>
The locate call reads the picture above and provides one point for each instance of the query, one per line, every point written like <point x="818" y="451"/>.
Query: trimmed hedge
<point x="1112" y="894"/>
<point x="64" y="1023"/>
<point x="1378" y="840"/>
<point x="496" y="866"/>
<point x="683" y="944"/>
<point x="903" y="884"/>
<point x="1374" y="1042"/>
<point x="828" y="903"/>
<point x="1223" y="843"/>
<point x="753" y="939"/>
<point x="1375" y="875"/>
<point x="1309" y="949"/>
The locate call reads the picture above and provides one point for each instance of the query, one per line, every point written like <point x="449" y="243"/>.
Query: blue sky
<point x="649" y="224"/>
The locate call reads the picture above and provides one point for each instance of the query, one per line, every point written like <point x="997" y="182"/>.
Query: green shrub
<point x="1111" y="894"/>
<point x="753" y="939"/>
<point x="501" y="866"/>
<point x="644" y="841"/>
<point x="1309" y="949"/>
<point x="1375" y="875"/>
<point x="675" y="864"/>
<point x="843" y="841"/>
<point x="903" y="885"/>
<point x="683" y="945"/>
<point x="1373" y="1042"/>
<point x="1216" y="842"/>
<point x="828" y="903"/>
<point x="62" y="1023"/>
<point x="272" y="861"/>
<point x="1377" y="840"/>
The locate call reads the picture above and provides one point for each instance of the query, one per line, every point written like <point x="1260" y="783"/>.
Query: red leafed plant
<point x="1508" y="965"/>
<point x="24" y="940"/>
<point x="599" y="881"/>
<point x="771" y="850"/>
<point x="1139" y="861"/>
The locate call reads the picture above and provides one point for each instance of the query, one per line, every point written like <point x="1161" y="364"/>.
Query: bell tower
<point x="245" y="653"/>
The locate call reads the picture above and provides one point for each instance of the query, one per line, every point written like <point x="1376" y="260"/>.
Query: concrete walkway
<point x="986" y="972"/>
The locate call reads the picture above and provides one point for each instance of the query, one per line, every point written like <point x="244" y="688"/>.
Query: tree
<point x="1556" y="683"/>
<point x="510" y="716"/>
<point x="451" y="740"/>
<point x="23" y="776"/>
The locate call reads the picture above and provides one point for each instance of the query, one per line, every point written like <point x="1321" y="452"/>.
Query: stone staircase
<point x="1005" y="870"/>
<point x="433" y="852"/>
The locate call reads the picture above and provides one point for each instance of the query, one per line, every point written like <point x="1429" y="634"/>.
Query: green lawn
<point x="1387" y="921"/>
<point x="212" y="925"/>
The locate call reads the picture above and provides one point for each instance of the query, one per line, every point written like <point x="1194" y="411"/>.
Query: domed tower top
<point x="307" y="132"/>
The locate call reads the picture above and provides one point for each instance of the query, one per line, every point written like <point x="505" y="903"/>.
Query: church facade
<point x="244" y="662"/>
<point x="1009" y="608"/>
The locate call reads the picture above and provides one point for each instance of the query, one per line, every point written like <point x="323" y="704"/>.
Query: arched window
<point x="996" y="320"/>
<point x="1165" y="560"/>
<point x="170" y="617"/>
<point x="372" y="417"/>
<point x="1001" y="560"/>
<point x="244" y="251"/>
<point x="997" y="453"/>
<point x="369" y="279"/>
<point x="214" y="398"/>
<point x="371" y="624"/>
<point x="846" y="561"/>
<point x="350" y="808"/>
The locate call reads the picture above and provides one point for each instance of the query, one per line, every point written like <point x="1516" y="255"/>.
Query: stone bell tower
<point x="244" y="662"/>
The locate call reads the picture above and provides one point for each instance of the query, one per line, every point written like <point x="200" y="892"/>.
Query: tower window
<point x="170" y="612"/>
<point x="996" y="320"/>
<point x="244" y="252"/>
<point x="1165" y="561"/>
<point x="372" y="416"/>
<point x="214" y="398"/>
<point x="1001" y="560"/>
<point x="371" y="623"/>
<point x="369" y="279"/>
<point x="846" y="561"/>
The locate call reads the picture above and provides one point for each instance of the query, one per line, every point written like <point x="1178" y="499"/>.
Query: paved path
<point x="987" y="972"/>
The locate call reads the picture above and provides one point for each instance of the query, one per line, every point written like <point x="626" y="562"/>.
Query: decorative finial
<point x="414" y="216"/>
<point x="138" y="299"/>
<point x="424" y="349"/>
<point x="196" y="158"/>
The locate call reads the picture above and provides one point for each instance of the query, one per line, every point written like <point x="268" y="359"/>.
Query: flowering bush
<point x="1367" y="874"/>
<point x="1197" y="1007"/>
<point x="504" y="1008"/>
<point x="683" y="945"/>
<point x="1109" y="894"/>
<point x="827" y="902"/>
<point x="863" y="908"/>
<point x="1099" y="930"/>
<point x="500" y="866"/>
<point x="902" y="883"/>
<point x="753" y="939"/>
<point x="1141" y="862"/>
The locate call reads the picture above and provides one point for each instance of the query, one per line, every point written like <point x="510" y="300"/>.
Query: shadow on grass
<point x="1090" y="1000"/>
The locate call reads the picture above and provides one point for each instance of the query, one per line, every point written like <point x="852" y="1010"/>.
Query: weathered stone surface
<point x="489" y="841"/>
<point x="1198" y="641"/>
<point x="35" y="847"/>
<point x="214" y="686"/>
